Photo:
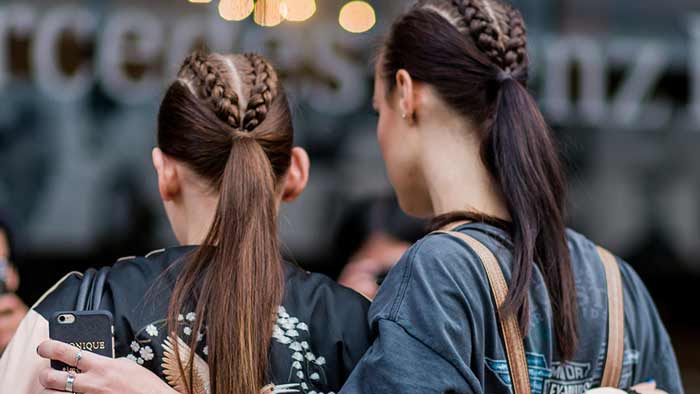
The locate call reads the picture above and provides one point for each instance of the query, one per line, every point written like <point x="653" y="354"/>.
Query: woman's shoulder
<point x="308" y="291"/>
<point x="127" y="279"/>
<point x="441" y="268"/>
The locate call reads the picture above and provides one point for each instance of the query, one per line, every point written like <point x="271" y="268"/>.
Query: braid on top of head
<point x="516" y="45"/>
<point x="213" y="87"/>
<point x="481" y="27"/>
<point x="264" y="90"/>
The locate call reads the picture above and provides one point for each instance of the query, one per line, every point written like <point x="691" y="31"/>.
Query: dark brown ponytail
<point x="228" y="120"/>
<point x="473" y="52"/>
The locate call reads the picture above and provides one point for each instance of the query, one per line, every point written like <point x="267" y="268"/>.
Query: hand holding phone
<point x="89" y="331"/>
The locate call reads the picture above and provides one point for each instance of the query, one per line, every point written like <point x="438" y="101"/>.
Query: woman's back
<point x="437" y="304"/>
<point x="319" y="335"/>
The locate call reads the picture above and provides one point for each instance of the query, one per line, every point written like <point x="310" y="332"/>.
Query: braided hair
<point x="212" y="87"/>
<point x="208" y="72"/>
<point x="263" y="92"/>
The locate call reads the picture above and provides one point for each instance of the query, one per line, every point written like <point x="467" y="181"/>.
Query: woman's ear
<point x="406" y="91"/>
<point x="168" y="181"/>
<point x="297" y="176"/>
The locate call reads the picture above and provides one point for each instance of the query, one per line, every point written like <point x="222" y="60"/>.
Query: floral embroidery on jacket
<point x="306" y="373"/>
<point x="307" y="369"/>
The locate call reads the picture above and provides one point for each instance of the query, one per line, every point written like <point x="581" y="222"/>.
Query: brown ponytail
<point x="478" y="63"/>
<point x="229" y="121"/>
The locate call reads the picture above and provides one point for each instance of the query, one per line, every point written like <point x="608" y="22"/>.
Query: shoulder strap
<point x="81" y="302"/>
<point x="512" y="338"/>
<point x="91" y="289"/>
<point x="511" y="331"/>
<point x="616" y="321"/>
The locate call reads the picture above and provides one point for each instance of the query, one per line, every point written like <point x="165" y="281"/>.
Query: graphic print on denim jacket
<point x="561" y="378"/>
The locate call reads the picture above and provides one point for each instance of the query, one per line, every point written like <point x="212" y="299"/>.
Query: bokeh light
<point x="235" y="10"/>
<point x="268" y="12"/>
<point x="298" y="10"/>
<point x="357" y="17"/>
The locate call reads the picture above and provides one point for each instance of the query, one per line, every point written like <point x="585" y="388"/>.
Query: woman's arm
<point x="99" y="374"/>
<point x="20" y="365"/>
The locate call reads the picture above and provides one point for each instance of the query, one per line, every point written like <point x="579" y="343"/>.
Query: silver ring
<point x="70" y="380"/>
<point x="78" y="357"/>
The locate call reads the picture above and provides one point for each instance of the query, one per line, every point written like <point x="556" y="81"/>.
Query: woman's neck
<point x="456" y="177"/>
<point x="198" y="212"/>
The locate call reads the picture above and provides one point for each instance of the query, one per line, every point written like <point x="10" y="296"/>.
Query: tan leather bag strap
<point x="616" y="321"/>
<point x="514" y="345"/>
<point x="515" y="348"/>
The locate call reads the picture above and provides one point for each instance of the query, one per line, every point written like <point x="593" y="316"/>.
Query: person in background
<point x="372" y="236"/>
<point x="12" y="309"/>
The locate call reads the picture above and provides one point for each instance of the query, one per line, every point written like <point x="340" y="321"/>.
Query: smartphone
<point x="90" y="331"/>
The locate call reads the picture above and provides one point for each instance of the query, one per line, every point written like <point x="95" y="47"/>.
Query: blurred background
<point x="80" y="83"/>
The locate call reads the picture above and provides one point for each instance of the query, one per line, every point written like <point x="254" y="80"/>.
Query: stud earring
<point x="403" y="116"/>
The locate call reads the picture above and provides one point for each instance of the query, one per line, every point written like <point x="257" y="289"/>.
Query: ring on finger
<point x="70" y="380"/>
<point x="78" y="357"/>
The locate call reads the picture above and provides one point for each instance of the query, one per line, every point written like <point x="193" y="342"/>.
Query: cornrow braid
<point x="480" y="26"/>
<point x="213" y="87"/>
<point x="264" y="90"/>
<point x="516" y="45"/>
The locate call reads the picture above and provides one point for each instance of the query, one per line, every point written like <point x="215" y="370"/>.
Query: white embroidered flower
<point x="305" y="345"/>
<point x="191" y="317"/>
<point x="321" y="361"/>
<point x="282" y="321"/>
<point x="180" y="317"/>
<point x="313" y="392"/>
<point x="135" y="346"/>
<point x="300" y="375"/>
<point x="206" y="350"/>
<point x="303" y="327"/>
<point x="315" y="376"/>
<point x="296" y="365"/>
<point x="146" y="353"/>
<point x="310" y="356"/>
<point x="293" y="320"/>
<point x="200" y="336"/>
<point x="187" y="331"/>
<point x="131" y="357"/>
<point x="281" y="310"/>
<point x="289" y="326"/>
<point x="292" y="333"/>
<point x="277" y="331"/>
<point x="305" y="386"/>
<point x="297" y="356"/>
<point x="152" y="330"/>
<point x="296" y="346"/>
<point x="284" y="340"/>
<point x="139" y="361"/>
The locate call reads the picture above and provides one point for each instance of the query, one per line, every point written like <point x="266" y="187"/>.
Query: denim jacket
<point x="436" y="331"/>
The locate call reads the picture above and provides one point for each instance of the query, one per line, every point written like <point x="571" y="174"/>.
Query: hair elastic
<point x="504" y="76"/>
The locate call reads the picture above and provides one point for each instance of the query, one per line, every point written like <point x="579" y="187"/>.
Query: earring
<point x="403" y="116"/>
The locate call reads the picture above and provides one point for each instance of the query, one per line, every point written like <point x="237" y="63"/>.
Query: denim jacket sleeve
<point x="424" y="320"/>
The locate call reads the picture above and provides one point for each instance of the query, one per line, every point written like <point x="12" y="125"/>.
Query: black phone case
<point x="91" y="331"/>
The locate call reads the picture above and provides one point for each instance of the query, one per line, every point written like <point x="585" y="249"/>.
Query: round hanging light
<point x="235" y="10"/>
<point x="298" y="10"/>
<point x="268" y="12"/>
<point x="357" y="17"/>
